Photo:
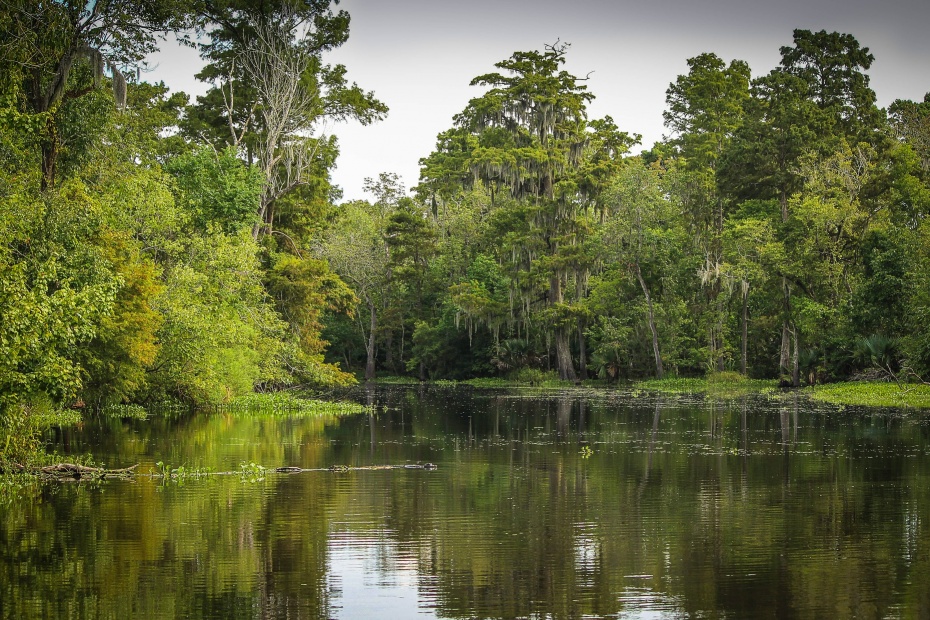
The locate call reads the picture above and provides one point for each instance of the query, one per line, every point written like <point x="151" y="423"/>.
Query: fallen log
<point x="72" y="470"/>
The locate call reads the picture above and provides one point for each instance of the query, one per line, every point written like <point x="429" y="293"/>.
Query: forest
<point x="155" y="248"/>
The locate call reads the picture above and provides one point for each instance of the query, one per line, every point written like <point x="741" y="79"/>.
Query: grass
<point x="873" y="394"/>
<point x="721" y="385"/>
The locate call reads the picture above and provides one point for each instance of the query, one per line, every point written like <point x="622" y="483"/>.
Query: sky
<point x="418" y="56"/>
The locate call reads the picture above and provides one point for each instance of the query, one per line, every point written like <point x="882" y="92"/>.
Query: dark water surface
<point x="759" y="507"/>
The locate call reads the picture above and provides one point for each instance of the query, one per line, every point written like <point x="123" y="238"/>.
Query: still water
<point x="573" y="504"/>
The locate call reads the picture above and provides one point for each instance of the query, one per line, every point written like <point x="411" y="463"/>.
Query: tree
<point x="531" y="128"/>
<point x="751" y="253"/>
<point x="781" y="123"/>
<point x="642" y="234"/>
<point x="705" y="108"/>
<point x="304" y="288"/>
<point x="272" y="91"/>
<point x="411" y="239"/>
<point x="62" y="48"/>
<point x="832" y="64"/>
<point x="356" y="249"/>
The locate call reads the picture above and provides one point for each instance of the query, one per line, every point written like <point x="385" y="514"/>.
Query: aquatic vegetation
<point x="21" y="428"/>
<point x="524" y="377"/>
<point x="873" y="394"/>
<point x="125" y="411"/>
<point x="285" y="403"/>
<point x="719" y="385"/>
<point x="251" y="472"/>
<point x="397" y="380"/>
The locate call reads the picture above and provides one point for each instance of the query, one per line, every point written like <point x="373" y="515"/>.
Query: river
<point x="559" y="504"/>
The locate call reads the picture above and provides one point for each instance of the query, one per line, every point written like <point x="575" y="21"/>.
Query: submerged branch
<point x="73" y="471"/>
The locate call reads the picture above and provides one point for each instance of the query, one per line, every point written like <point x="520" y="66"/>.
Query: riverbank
<point x="719" y="385"/>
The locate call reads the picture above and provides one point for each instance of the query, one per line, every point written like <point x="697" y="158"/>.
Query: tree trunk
<point x="785" y="356"/>
<point x="742" y="365"/>
<point x="563" y="355"/>
<point x="795" y="370"/>
<point x="563" y="348"/>
<point x="719" y="334"/>
<point x="582" y="353"/>
<point x="370" y="348"/>
<point x="660" y="370"/>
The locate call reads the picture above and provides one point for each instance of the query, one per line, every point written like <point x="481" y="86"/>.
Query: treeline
<point x="152" y="247"/>
<point x="779" y="231"/>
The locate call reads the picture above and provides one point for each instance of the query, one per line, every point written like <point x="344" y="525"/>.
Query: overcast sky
<point x="418" y="56"/>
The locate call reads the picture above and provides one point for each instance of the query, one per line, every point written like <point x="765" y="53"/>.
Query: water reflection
<point x="758" y="507"/>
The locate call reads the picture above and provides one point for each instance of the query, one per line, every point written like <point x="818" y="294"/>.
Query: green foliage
<point x="220" y="337"/>
<point x="876" y="304"/>
<point x="216" y="188"/>
<point x="878" y="351"/>
<point x="116" y="361"/>
<point x="535" y="377"/>
<point x="56" y="286"/>
<point x="21" y="426"/>
<point x="303" y="290"/>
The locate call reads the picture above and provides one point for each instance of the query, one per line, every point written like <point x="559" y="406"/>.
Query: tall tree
<point x="705" y="108"/>
<point x="272" y="92"/>
<point x="642" y="233"/>
<point x="833" y="66"/>
<point x="532" y="129"/>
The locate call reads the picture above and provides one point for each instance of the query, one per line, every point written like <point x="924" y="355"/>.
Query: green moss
<point x="873" y="394"/>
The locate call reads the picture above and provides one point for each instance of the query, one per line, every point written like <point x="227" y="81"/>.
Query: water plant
<point x="285" y="403"/>
<point x="719" y="384"/>
<point x="251" y="472"/>
<point x="873" y="394"/>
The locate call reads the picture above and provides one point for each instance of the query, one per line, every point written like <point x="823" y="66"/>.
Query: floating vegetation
<point x="397" y="380"/>
<point x="58" y="417"/>
<point x="719" y="385"/>
<point x="125" y="412"/>
<point x="284" y="403"/>
<point x="873" y="394"/>
<point x="252" y="472"/>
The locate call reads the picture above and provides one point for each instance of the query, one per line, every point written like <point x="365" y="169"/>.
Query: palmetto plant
<point x="877" y="350"/>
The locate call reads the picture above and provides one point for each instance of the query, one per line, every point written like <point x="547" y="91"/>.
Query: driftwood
<point x="76" y="472"/>
<point x="73" y="471"/>
<point x="342" y="468"/>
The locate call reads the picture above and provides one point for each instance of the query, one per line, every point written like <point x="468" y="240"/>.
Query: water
<point x="562" y="505"/>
